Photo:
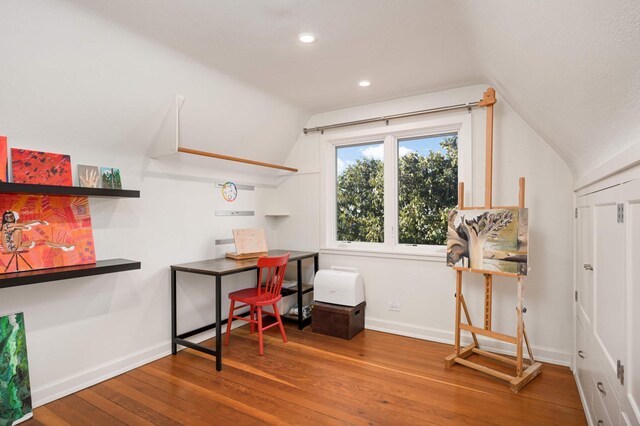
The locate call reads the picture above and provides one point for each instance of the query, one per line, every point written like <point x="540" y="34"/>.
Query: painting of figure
<point x="41" y="231"/>
<point x="489" y="240"/>
<point x="42" y="168"/>
<point x="15" y="391"/>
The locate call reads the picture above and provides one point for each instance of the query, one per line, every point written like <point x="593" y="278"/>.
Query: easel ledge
<point x="486" y="272"/>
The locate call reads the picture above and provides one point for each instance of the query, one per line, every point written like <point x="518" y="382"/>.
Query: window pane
<point x="427" y="188"/>
<point x="360" y="193"/>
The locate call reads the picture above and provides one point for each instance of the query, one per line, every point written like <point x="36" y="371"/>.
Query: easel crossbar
<point x="495" y="357"/>
<point x="482" y="368"/>
<point x="488" y="333"/>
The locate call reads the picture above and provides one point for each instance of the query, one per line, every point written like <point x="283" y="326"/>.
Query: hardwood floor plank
<point x="242" y="397"/>
<point x="47" y="416"/>
<point x="88" y="411"/>
<point x="106" y="390"/>
<point x="375" y="378"/>
<point x="189" y="401"/>
<point x="104" y="404"/>
<point x="327" y="402"/>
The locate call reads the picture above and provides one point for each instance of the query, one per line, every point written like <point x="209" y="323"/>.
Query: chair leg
<point x="260" y="330"/>
<point x="280" y="325"/>
<point x="253" y="312"/>
<point x="229" y="321"/>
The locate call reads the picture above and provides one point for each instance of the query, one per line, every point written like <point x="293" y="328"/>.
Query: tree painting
<point x="494" y="240"/>
<point x="15" y="393"/>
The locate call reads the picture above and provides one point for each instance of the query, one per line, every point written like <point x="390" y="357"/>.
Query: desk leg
<point x="174" y="321"/>
<point x="218" y="325"/>
<point x="300" y="322"/>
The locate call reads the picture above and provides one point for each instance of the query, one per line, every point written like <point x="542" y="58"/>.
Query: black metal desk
<point x="219" y="268"/>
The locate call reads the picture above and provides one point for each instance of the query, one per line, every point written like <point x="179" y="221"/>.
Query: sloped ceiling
<point x="570" y="68"/>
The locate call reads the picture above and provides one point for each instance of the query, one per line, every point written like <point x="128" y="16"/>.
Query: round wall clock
<point x="229" y="191"/>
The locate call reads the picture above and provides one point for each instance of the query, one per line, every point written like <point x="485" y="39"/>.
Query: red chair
<point x="266" y="293"/>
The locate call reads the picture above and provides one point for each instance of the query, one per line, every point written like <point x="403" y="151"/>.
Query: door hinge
<point x="620" y="372"/>
<point x="576" y="295"/>
<point x="621" y="213"/>
<point x="576" y="212"/>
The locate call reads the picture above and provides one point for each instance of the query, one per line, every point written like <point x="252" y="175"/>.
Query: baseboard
<point x="87" y="378"/>
<point x="444" y="336"/>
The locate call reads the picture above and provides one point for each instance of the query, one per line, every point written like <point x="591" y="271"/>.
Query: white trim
<point x="619" y="163"/>
<point x="440" y="257"/>
<point x="445" y="336"/>
<point x="458" y="123"/>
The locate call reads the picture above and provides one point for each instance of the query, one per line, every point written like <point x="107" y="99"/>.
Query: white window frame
<point x="454" y="123"/>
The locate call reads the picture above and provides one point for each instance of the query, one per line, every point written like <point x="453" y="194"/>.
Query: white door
<point x="632" y="365"/>
<point x="609" y="316"/>
<point x="584" y="255"/>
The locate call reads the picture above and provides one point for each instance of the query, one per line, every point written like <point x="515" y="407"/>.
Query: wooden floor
<point x="376" y="378"/>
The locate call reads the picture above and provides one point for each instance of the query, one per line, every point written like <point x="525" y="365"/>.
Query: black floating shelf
<point x="108" y="266"/>
<point x="27" y="188"/>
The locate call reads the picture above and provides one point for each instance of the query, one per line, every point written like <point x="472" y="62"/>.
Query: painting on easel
<point x="489" y="240"/>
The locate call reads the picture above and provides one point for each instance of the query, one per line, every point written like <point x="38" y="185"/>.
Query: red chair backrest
<point x="271" y="276"/>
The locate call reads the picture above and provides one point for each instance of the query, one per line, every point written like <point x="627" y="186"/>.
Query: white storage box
<point x="338" y="287"/>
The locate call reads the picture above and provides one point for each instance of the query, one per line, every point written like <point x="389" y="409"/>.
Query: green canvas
<point x="15" y="392"/>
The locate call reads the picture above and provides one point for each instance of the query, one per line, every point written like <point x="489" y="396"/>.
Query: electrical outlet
<point x="394" y="306"/>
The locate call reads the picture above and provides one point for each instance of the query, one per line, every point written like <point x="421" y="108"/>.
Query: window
<point x="392" y="189"/>
<point x="427" y="187"/>
<point x="360" y="193"/>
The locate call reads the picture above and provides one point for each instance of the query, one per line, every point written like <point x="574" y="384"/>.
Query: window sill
<point x="436" y="255"/>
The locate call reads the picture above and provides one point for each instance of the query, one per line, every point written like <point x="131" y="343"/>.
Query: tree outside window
<point x="427" y="172"/>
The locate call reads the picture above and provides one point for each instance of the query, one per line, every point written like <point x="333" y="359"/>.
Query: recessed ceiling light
<point x="364" y="83"/>
<point x="306" y="38"/>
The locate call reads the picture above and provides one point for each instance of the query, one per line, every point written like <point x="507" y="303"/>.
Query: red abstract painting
<point x="44" y="168"/>
<point x="3" y="159"/>
<point x="41" y="231"/>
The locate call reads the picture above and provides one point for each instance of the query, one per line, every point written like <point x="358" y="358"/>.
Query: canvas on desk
<point x="250" y="241"/>
<point x="489" y="240"/>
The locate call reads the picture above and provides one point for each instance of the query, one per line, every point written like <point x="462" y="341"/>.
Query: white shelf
<point x="276" y="213"/>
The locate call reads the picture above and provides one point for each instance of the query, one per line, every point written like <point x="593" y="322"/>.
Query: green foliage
<point x="15" y="395"/>
<point x="360" y="202"/>
<point x="427" y="192"/>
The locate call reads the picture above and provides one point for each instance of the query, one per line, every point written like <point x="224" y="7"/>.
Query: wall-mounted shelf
<point x="26" y="188"/>
<point x="167" y="142"/>
<point x="54" y="274"/>
<point x="276" y="213"/>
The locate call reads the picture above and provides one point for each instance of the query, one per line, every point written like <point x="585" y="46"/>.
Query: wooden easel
<point x="522" y="376"/>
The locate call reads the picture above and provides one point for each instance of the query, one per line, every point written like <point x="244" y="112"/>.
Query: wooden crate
<point x="337" y="320"/>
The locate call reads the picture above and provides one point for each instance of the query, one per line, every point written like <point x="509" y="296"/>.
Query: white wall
<point x="75" y="84"/>
<point x="425" y="288"/>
